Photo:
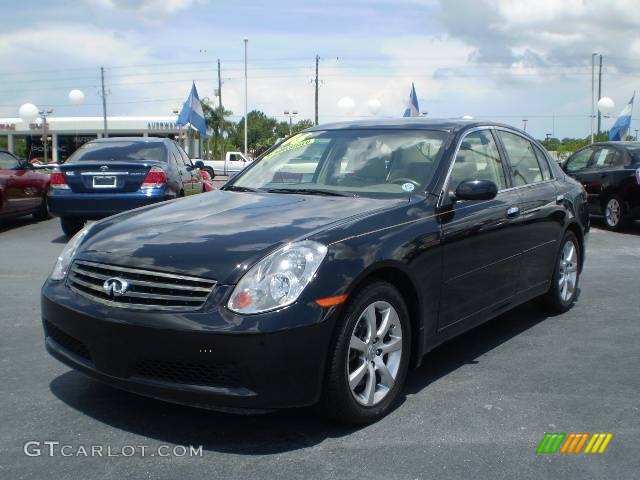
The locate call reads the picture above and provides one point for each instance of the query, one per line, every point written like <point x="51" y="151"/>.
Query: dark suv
<point x="610" y="173"/>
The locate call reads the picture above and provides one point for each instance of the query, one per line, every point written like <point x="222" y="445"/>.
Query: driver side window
<point x="478" y="159"/>
<point x="579" y="161"/>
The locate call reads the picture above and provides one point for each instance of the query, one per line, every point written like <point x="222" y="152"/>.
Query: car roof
<point x="623" y="144"/>
<point x="410" y="123"/>
<point x="132" y="139"/>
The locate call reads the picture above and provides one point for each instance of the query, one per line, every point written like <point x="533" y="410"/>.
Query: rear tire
<point x="43" y="211"/>
<point x="566" y="276"/>
<point x="71" y="225"/>
<point x="376" y="363"/>
<point x="615" y="214"/>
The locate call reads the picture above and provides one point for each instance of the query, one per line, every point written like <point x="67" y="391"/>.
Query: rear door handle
<point x="513" y="212"/>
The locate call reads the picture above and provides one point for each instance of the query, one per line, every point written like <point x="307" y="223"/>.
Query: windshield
<point x="381" y="163"/>
<point x="119" y="150"/>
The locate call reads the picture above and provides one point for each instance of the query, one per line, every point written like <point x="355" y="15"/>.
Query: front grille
<point x="218" y="375"/>
<point x="67" y="341"/>
<point x="147" y="290"/>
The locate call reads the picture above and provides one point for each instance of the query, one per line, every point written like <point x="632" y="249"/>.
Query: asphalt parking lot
<point x="477" y="408"/>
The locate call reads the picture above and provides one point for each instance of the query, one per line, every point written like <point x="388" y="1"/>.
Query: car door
<point x="481" y="254"/>
<point x="596" y="178"/>
<point x="578" y="166"/>
<point x="22" y="192"/>
<point x="540" y="209"/>
<point x="196" y="179"/>
<point x="236" y="163"/>
<point x="185" y="175"/>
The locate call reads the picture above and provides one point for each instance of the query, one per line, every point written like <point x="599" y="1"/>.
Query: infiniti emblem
<point x="104" y="168"/>
<point x="115" y="287"/>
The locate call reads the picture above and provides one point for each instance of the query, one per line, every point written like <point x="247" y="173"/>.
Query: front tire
<point x="615" y="214"/>
<point x="566" y="275"/>
<point x="369" y="356"/>
<point x="71" y="225"/>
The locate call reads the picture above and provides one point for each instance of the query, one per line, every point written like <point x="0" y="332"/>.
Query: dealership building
<point x="66" y="134"/>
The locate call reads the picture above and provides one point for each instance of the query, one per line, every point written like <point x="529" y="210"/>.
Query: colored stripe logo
<point x="574" y="443"/>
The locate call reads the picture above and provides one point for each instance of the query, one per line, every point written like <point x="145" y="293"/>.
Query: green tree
<point x="216" y="118"/>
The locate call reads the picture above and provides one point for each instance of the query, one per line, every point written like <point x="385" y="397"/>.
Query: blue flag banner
<point x="192" y="114"/>
<point x="620" y="129"/>
<point x="412" y="110"/>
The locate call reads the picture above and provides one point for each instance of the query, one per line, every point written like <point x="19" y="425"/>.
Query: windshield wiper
<point x="238" y="188"/>
<point x="311" y="191"/>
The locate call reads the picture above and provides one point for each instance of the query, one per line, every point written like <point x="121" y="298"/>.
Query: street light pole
<point x="293" y="112"/>
<point x="43" y="116"/>
<point x="636" y="134"/>
<point x="524" y="124"/>
<point x="246" y="40"/>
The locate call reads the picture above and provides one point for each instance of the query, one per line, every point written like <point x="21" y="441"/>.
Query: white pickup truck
<point x="233" y="163"/>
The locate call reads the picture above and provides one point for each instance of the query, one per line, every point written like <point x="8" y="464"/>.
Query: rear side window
<point x="544" y="163"/>
<point x="607" y="157"/>
<point x="129" y="151"/>
<point x="522" y="157"/>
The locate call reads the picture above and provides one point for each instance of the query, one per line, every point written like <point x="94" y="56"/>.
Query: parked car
<point x="110" y="175"/>
<point x="233" y="163"/>
<point x="610" y="173"/>
<point x="23" y="191"/>
<point x="324" y="289"/>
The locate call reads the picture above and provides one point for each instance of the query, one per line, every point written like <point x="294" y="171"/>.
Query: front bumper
<point x="66" y="203"/>
<point x="204" y="359"/>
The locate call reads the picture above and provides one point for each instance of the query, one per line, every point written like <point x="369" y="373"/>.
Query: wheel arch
<point x="397" y="275"/>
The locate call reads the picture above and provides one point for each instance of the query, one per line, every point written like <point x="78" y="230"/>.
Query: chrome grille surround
<point x="147" y="289"/>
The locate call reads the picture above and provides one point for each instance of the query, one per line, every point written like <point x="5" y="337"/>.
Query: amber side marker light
<point x="332" y="301"/>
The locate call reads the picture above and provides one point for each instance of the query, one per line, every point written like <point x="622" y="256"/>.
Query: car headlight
<point x="278" y="279"/>
<point x="66" y="256"/>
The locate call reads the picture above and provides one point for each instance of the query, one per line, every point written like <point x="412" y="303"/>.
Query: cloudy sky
<point x="505" y="60"/>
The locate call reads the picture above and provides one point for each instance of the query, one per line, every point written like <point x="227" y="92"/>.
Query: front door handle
<point x="513" y="212"/>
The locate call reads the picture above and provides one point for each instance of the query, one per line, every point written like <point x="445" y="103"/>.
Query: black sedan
<point x="322" y="272"/>
<point x="610" y="173"/>
<point x="111" y="175"/>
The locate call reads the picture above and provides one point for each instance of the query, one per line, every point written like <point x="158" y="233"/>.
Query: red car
<point x="22" y="190"/>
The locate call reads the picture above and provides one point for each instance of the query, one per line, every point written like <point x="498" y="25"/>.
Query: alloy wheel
<point x="613" y="212"/>
<point x="375" y="351"/>
<point x="568" y="271"/>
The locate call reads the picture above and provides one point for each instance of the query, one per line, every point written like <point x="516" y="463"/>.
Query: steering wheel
<point x="405" y="180"/>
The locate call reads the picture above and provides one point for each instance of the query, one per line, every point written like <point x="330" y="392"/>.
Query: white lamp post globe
<point x="28" y="112"/>
<point x="346" y="104"/>
<point x="606" y="105"/>
<point x="374" y="106"/>
<point x="76" y="97"/>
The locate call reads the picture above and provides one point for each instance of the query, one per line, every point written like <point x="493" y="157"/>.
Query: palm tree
<point x="215" y="118"/>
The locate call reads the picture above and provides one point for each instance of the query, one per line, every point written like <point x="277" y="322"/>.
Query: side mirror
<point x="476" y="190"/>
<point x="199" y="164"/>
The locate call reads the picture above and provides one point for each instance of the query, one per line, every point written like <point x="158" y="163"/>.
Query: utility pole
<point x="593" y="91"/>
<point x="524" y="124"/>
<point x="316" y="85"/>
<point x="221" y="113"/>
<point x="599" y="92"/>
<point x="245" y="96"/>
<point x="104" y="103"/>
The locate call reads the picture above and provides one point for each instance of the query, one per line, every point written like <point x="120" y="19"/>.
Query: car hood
<point x="218" y="234"/>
